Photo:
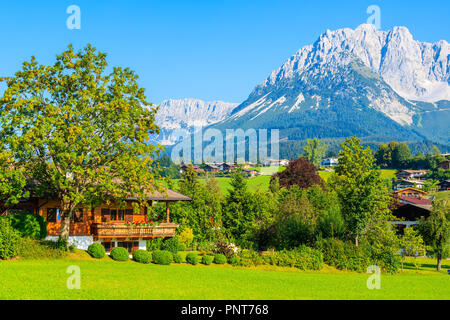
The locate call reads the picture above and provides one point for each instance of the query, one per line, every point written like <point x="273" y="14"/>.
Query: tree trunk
<point x="439" y="262"/>
<point x="66" y="217"/>
<point x="356" y="241"/>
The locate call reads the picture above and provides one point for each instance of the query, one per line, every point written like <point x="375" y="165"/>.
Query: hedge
<point x="192" y="258"/>
<point x="142" y="256"/>
<point x="9" y="240"/>
<point x="170" y="245"/>
<point x="28" y="225"/>
<point x="177" y="258"/>
<point x="96" y="250"/>
<point x="163" y="257"/>
<point x="220" y="259"/>
<point x="207" y="259"/>
<point x="119" y="254"/>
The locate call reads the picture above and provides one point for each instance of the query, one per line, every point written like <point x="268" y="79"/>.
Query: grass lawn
<point x="108" y="279"/>
<point x="442" y="195"/>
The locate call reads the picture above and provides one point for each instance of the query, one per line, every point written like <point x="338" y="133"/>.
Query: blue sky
<point x="211" y="50"/>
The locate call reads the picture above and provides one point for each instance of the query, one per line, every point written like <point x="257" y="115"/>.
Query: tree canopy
<point x="362" y="193"/>
<point x="77" y="132"/>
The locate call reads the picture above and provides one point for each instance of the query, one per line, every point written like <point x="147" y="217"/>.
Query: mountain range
<point x="377" y="85"/>
<point x="178" y="118"/>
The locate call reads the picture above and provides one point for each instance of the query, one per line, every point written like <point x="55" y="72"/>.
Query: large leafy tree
<point x="314" y="151"/>
<point x="436" y="230"/>
<point x="203" y="213"/>
<point x="78" y="132"/>
<point x="362" y="193"/>
<point x="401" y="155"/>
<point x="299" y="172"/>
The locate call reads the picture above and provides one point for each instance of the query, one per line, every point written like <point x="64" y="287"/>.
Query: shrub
<point x="142" y="256"/>
<point x="154" y="244"/>
<point x="177" y="258"/>
<point x="388" y="262"/>
<point x="234" y="260"/>
<point x="96" y="250"/>
<point x="303" y="258"/>
<point x="29" y="225"/>
<point x="225" y="248"/>
<point x="40" y="249"/>
<point x="344" y="255"/>
<point x="192" y="258"/>
<point x="220" y="259"/>
<point x="170" y="245"/>
<point x="61" y="244"/>
<point x="186" y="237"/>
<point x="163" y="257"/>
<point x="119" y="254"/>
<point x="207" y="259"/>
<point x="72" y="248"/>
<point x="9" y="240"/>
<point x="181" y="247"/>
<point x="249" y="258"/>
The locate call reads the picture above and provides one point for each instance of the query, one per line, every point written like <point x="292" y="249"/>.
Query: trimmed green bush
<point x="177" y="258"/>
<point x="72" y="248"/>
<point x="207" y="259"/>
<point x="170" y="245"/>
<point x="142" y="256"/>
<point x="9" y="240"/>
<point x="96" y="250"/>
<point x="220" y="259"/>
<point x="192" y="258"/>
<point x="29" y="225"/>
<point x="163" y="257"/>
<point x="181" y="247"/>
<point x="119" y="254"/>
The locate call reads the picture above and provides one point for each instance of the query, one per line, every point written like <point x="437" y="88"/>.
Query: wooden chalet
<point x="110" y="225"/>
<point x="445" y="164"/>
<point x="411" y="174"/>
<point x="410" y="192"/>
<point x="444" y="185"/>
<point x="211" y="168"/>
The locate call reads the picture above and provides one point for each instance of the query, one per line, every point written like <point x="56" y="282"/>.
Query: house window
<point x="53" y="214"/>
<point x="129" y="245"/>
<point x="116" y="214"/>
<point x="108" y="246"/>
<point x="78" y="215"/>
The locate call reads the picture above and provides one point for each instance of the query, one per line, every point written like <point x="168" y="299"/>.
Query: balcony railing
<point x="121" y="230"/>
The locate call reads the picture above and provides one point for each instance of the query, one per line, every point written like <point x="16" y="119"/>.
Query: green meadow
<point x="261" y="182"/>
<point x="108" y="279"/>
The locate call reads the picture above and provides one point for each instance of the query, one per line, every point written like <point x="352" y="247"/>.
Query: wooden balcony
<point x="122" y="231"/>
